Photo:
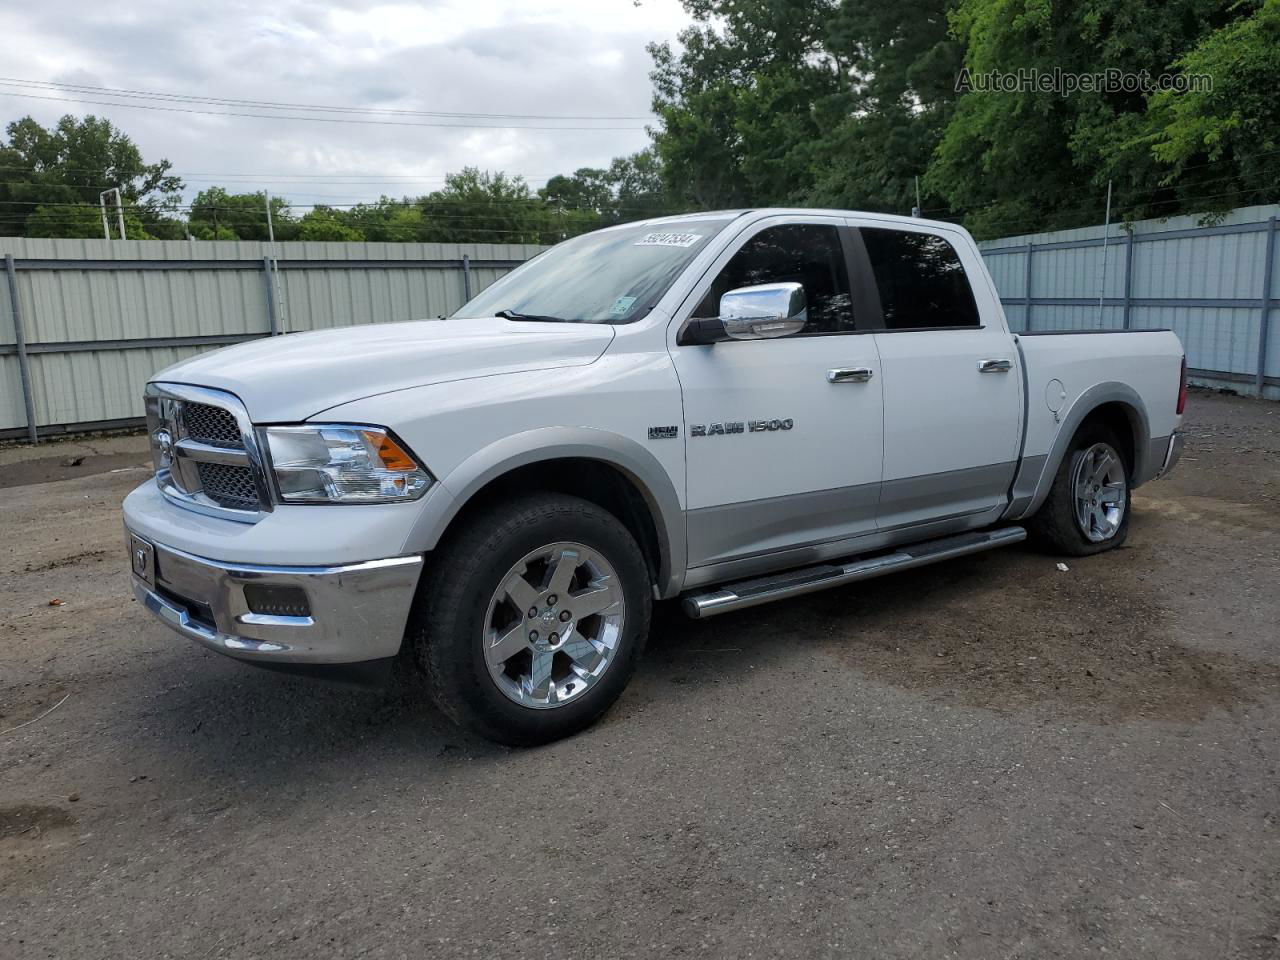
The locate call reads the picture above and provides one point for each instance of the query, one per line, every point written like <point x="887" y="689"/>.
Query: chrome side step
<point x="793" y="583"/>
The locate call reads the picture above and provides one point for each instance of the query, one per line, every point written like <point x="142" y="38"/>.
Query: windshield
<point x="609" y="276"/>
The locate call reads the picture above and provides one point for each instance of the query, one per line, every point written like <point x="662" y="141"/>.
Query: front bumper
<point x="357" y="612"/>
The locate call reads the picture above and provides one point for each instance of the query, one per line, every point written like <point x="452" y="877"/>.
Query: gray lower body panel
<point x="720" y="533"/>
<point x="913" y="500"/>
<point x="762" y="528"/>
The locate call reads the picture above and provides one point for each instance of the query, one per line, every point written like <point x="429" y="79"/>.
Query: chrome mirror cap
<point x="763" y="312"/>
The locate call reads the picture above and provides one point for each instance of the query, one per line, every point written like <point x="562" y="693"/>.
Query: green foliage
<point x="821" y="102"/>
<point x="629" y="189"/>
<point x="73" y="220"/>
<point x="325" y="223"/>
<point x="483" y="207"/>
<point x="1073" y="142"/>
<point x="843" y="103"/>
<point x="72" y="163"/>
<point x="1224" y="144"/>
<point x="387" y="220"/>
<point x="243" y="215"/>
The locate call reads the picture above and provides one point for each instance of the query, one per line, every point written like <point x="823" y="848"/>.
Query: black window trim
<point x="867" y="280"/>
<point x="850" y="243"/>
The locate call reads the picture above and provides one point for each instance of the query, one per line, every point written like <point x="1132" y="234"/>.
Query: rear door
<point x="953" y="400"/>
<point x="783" y="436"/>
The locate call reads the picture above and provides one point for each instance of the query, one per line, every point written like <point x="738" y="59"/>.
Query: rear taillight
<point x="1182" y="387"/>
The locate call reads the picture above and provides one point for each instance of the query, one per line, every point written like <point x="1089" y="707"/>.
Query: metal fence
<point x="1214" y="285"/>
<point x="84" y="323"/>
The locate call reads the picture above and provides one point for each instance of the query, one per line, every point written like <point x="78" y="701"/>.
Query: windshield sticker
<point x="621" y="306"/>
<point x="668" y="240"/>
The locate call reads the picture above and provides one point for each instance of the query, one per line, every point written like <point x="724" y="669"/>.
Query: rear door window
<point x="920" y="279"/>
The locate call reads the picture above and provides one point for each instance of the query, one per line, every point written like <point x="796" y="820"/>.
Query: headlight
<point x="337" y="463"/>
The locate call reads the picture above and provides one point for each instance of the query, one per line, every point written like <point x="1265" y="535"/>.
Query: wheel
<point x="531" y="619"/>
<point x="1087" y="510"/>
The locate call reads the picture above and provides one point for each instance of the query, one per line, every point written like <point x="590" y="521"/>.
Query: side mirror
<point x="762" y="312"/>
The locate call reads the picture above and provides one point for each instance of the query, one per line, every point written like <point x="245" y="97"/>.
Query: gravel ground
<point x="986" y="758"/>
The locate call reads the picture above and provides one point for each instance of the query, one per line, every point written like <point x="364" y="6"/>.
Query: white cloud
<point x="558" y="57"/>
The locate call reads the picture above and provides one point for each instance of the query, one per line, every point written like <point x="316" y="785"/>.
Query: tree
<point x="73" y="220"/>
<point x="588" y="188"/>
<point x="215" y="212"/>
<point x="482" y="207"/>
<point x="72" y="163"/>
<point x="1219" y="146"/>
<point x="326" y="223"/>
<point x="388" y="220"/>
<point x="631" y="188"/>
<point x="1029" y="160"/>
<point x="821" y="102"/>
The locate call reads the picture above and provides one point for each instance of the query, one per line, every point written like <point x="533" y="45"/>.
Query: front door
<point x="778" y="455"/>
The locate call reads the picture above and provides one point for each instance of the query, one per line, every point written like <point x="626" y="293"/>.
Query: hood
<point x="298" y="375"/>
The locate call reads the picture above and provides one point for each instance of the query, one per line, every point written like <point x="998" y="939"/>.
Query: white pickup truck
<point x="727" y="408"/>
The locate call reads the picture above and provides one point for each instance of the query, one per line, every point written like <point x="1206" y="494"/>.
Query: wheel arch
<point x="1120" y="407"/>
<point x="610" y="470"/>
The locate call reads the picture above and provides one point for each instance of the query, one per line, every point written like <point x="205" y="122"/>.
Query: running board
<point x="794" y="583"/>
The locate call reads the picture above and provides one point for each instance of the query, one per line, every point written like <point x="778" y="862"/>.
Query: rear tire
<point x="531" y="618"/>
<point x="1089" y="505"/>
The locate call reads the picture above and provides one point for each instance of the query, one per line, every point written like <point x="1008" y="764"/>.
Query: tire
<point x="483" y="668"/>
<point x="1071" y="524"/>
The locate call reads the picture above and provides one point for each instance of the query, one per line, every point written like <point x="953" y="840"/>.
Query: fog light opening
<point x="275" y="601"/>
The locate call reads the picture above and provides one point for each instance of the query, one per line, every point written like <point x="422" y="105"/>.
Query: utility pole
<point x="271" y="230"/>
<point x="102" y="203"/>
<point x="1106" y="229"/>
<point x="915" y="211"/>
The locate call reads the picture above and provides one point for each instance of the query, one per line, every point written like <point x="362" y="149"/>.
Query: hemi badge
<point x="663" y="433"/>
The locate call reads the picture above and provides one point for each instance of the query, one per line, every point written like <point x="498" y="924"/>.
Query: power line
<point x="279" y="105"/>
<point x="274" y="116"/>
<point x="313" y="177"/>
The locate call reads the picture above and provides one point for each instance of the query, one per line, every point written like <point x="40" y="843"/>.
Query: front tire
<point x="532" y="618"/>
<point x="1089" y="505"/>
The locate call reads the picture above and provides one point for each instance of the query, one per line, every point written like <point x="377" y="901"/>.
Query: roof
<point x="805" y="211"/>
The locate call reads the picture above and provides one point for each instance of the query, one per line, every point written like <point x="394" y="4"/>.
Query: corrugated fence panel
<point x="88" y="386"/>
<point x="1202" y="280"/>
<point x="96" y="313"/>
<point x="12" y="412"/>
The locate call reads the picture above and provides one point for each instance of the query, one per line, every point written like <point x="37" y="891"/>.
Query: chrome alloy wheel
<point x="1100" y="485"/>
<point x="553" y="626"/>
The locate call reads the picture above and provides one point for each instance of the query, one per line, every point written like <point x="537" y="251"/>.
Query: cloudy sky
<point x="549" y="59"/>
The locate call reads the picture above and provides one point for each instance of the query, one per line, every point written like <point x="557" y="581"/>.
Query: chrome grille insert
<point x="206" y="452"/>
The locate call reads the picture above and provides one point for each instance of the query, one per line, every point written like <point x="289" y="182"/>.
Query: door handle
<point x="995" y="366"/>
<point x="850" y="375"/>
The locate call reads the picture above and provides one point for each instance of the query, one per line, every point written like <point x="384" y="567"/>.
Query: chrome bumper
<point x="1173" y="454"/>
<point x="357" y="612"/>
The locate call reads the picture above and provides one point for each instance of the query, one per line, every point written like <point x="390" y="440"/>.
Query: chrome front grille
<point x="206" y="451"/>
<point x="210" y="424"/>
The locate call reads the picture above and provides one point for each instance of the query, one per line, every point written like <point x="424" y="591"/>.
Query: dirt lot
<point x="988" y="758"/>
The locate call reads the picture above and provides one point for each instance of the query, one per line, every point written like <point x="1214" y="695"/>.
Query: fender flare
<point x="640" y="466"/>
<point x="1030" y="489"/>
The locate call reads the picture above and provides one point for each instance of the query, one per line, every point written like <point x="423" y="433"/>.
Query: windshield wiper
<point x="536" y="317"/>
